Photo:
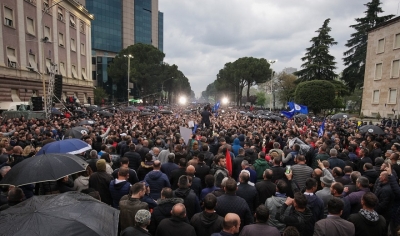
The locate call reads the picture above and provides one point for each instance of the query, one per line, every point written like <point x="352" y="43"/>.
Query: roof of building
<point x="389" y="22"/>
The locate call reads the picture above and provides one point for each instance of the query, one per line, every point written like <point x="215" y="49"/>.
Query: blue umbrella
<point x="70" y="146"/>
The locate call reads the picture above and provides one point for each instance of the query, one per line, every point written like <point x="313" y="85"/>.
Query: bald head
<point x="179" y="210"/>
<point x="156" y="165"/>
<point x="190" y="170"/>
<point x="231" y="223"/>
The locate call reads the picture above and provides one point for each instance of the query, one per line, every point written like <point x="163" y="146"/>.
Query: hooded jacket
<point x="236" y="146"/>
<point x="368" y="226"/>
<point x="300" y="220"/>
<point x="205" y="223"/>
<point x="316" y="206"/>
<point x="162" y="211"/>
<point x="190" y="201"/>
<point x="145" y="167"/>
<point x="274" y="204"/>
<point x="260" y="166"/>
<point x="157" y="181"/>
<point x="118" y="189"/>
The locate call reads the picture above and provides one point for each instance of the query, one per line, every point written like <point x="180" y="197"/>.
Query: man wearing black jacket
<point x="207" y="222"/>
<point x="133" y="157"/>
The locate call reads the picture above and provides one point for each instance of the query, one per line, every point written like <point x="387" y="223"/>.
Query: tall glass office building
<point x="117" y="25"/>
<point x="107" y="28"/>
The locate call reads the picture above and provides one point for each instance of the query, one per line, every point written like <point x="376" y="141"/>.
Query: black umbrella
<point x="76" y="132"/>
<point x="70" y="213"/>
<point x="165" y="112"/>
<point x="92" y="108"/>
<point x="86" y="122"/>
<point x="373" y="129"/>
<point x="43" y="168"/>
<point x="105" y="113"/>
<point x="301" y="116"/>
<point x="187" y="111"/>
<point x="264" y="117"/>
<point x="340" y="116"/>
<point x="130" y="109"/>
<point x="277" y="118"/>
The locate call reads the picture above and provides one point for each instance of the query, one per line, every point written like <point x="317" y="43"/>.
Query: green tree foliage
<point x="318" y="63"/>
<point x="261" y="99"/>
<point x="99" y="94"/>
<point x="316" y="94"/>
<point x="355" y="57"/>
<point x="285" y="85"/>
<point x="244" y="72"/>
<point x="149" y="72"/>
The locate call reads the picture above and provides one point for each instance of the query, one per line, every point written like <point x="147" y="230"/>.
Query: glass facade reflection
<point x="107" y="25"/>
<point x="143" y="21"/>
<point x="161" y="31"/>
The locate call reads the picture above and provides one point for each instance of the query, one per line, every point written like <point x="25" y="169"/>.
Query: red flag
<point x="228" y="162"/>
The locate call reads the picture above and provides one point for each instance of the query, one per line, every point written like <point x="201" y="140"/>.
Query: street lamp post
<point x="272" y="83"/>
<point x="129" y="70"/>
<point x="162" y="88"/>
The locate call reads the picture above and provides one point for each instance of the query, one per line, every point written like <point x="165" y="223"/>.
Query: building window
<point x="30" y="26"/>
<point x="397" y="41"/>
<point x="73" y="45"/>
<point x="72" y="21"/>
<point x="82" y="26"/>
<point x="60" y="14"/>
<point x="33" y="2"/>
<point x="84" y="76"/>
<point x="48" y="66"/>
<point x="61" y="39"/>
<point x="375" y="97"/>
<point x="8" y="17"/>
<point x="378" y="71"/>
<point x="392" y="96"/>
<point x="74" y="74"/>
<point x="12" y="59"/>
<point x="32" y="61"/>
<point x="62" y="69"/>
<point x="82" y="49"/>
<point x="47" y="33"/>
<point x="46" y="5"/>
<point x="381" y="46"/>
<point x="85" y="98"/>
<point x="395" y="69"/>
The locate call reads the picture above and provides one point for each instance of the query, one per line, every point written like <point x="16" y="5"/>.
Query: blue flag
<point x="194" y="129"/>
<point x="321" y="129"/>
<point x="298" y="108"/>
<point x="288" y="114"/>
<point x="216" y="106"/>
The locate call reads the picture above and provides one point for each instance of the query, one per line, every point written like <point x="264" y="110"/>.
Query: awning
<point x="12" y="59"/>
<point x="14" y="96"/>
<point x="72" y="20"/>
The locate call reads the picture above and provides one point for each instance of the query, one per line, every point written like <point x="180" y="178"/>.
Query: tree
<point x="316" y="94"/>
<point x="318" y="63"/>
<point x="355" y="57"/>
<point x="285" y="84"/>
<point x="261" y="98"/>
<point x="99" y="94"/>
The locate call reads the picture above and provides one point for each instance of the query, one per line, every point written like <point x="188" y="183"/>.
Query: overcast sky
<point x="200" y="36"/>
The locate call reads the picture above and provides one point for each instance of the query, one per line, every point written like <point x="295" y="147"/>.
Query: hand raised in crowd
<point x="320" y="164"/>
<point x="389" y="169"/>
<point x="289" y="201"/>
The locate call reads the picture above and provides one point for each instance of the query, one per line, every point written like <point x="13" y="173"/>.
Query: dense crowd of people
<point x="236" y="175"/>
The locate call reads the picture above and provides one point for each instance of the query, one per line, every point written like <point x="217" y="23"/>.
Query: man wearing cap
<point x="142" y="219"/>
<point x="326" y="182"/>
